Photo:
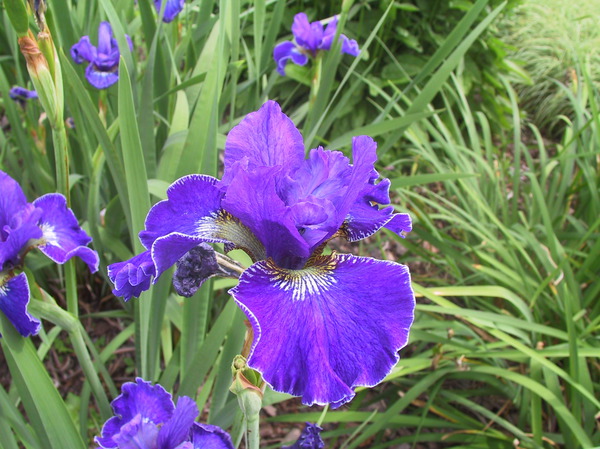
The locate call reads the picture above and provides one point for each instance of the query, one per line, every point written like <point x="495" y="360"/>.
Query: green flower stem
<point x="316" y="80"/>
<point x="253" y="432"/>
<point x="56" y="315"/>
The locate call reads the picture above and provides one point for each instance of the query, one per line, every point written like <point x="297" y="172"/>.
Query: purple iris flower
<point x="146" y="418"/>
<point x="309" y="439"/>
<point x="172" y="9"/>
<point x="310" y="37"/>
<point x="323" y="324"/>
<point x="47" y="224"/>
<point x="102" y="71"/>
<point x="21" y="95"/>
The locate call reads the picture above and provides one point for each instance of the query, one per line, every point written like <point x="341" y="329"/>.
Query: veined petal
<point x="321" y="331"/>
<point x="252" y="198"/>
<point x="177" y="429"/>
<point x="151" y="402"/>
<point x="14" y="297"/>
<point x="206" y="436"/>
<point x="133" y="276"/>
<point x="136" y="434"/>
<point x="83" y="51"/>
<point x="266" y="138"/>
<point x="62" y="237"/>
<point x="101" y="79"/>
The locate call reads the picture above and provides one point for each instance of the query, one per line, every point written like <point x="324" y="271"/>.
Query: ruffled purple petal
<point x="101" y="79"/>
<point x="83" y="51"/>
<point x="252" y="198"/>
<point x="14" y="297"/>
<point x="133" y="276"/>
<point x="309" y="439"/>
<point x="264" y="138"/>
<point x="172" y="9"/>
<point x="321" y="331"/>
<point x="206" y="436"/>
<point x="286" y="51"/>
<point x="152" y="403"/>
<point x="177" y="429"/>
<point x="62" y="237"/>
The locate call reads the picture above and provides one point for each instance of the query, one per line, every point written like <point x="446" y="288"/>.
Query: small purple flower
<point x="21" y="95"/>
<point x="146" y="418"/>
<point x="323" y="324"/>
<point x="47" y="224"/>
<point x="310" y="37"/>
<point x="102" y="71"/>
<point x="309" y="439"/>
<point x="172" y="9"/>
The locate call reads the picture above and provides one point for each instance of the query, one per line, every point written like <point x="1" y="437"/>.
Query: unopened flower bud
<point x="248" y="386"/>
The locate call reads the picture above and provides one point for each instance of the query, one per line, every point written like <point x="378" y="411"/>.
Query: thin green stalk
<point x="253" y="432"/>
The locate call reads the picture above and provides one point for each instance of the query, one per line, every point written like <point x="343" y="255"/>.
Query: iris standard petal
<point x="172" y="9"/>
<point x="133" y="276"/>
<point x="309" y="439"/>
<point x="101" y="79"/>
<point x="323" y="330"/>
<point x="151" y="402"/>
<point x="177" y="429"/>
<point x="206" y="436"/>
<point x="252" y="198"/>
<point x="349" y="46"/>
<point x="308" y="35"/>
<point x="266" y="138"/>
<point x="12" y="199"/>
<point x="14" y="297"/>
<point x="105" y="37"/>
<point x="136" y="434"/>
<point x="62" y="237"/>
<point x="329" y="34"/>
<point x="83" y="51"/>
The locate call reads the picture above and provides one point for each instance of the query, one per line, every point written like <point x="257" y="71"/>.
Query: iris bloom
<point x="323" y="324"/>
<point x="146" y="418"/>
<point x="47" y="224"/>
<point x="172" y="9"/>
<point x="309" y="439"/>
<point x="102" y="71"/>
<point x="310" y="39"/>
<point x="21" y="95"/>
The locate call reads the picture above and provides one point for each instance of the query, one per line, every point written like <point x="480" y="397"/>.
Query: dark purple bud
<point x="195" y="267"/>
<point x="21" y="95"/>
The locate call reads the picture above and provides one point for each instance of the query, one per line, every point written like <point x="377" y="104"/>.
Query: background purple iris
<point x="172" y="9"/>
<point x="102" y="71"/>
<point x="310" y="37"/>
<point x="47" y="224"/>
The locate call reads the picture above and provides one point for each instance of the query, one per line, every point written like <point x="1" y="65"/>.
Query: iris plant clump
<point x="46" y="224"/>
<point x="323" y="323"/>
<point x="310" y="39"/>
<point x="102" y="71"/>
